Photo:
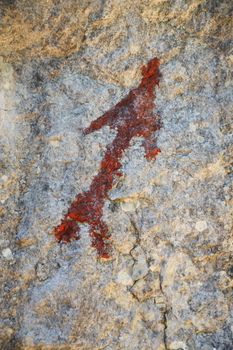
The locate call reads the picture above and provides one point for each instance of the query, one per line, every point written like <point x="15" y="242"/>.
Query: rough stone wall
<point x="169" y="283"/>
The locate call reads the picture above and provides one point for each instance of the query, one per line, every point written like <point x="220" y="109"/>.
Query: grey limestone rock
<point x="169" y="282"/>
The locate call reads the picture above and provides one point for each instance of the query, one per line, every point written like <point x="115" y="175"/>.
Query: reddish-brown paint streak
<point x="132" y="116"/>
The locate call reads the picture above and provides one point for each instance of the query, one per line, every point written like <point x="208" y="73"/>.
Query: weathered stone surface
<point x="169" y="283"/>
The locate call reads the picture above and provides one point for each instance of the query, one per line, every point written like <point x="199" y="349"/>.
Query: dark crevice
<point x="164" y="315"/>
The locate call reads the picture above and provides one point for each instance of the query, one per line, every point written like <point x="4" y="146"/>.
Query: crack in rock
<point x="164" y="313"/>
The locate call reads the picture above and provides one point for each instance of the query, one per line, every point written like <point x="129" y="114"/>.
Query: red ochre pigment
<point x="132" y="116"/>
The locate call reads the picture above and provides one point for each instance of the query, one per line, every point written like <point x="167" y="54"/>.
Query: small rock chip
<point x="124" y="278"/>
<point x="4" y="178"/>
<point x="7" y="253"/>
<point x="129" y="206"/>
<point x="201" y="226"/>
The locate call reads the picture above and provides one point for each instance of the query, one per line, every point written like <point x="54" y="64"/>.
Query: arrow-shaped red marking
<point x="132" y="116"/>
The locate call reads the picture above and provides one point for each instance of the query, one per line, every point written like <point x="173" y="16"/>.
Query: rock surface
<point x="169" y="283"/>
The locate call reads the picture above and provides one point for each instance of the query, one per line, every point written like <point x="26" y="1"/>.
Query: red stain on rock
<point x="132" y="116"/>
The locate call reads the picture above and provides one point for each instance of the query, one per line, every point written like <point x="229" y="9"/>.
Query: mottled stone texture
<point x="169" y="283"/>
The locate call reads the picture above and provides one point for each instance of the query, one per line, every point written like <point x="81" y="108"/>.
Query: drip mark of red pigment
<point x="132" y="116"/>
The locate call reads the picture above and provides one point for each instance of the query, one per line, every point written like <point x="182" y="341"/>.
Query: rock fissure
<point x="164" y="313"/>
